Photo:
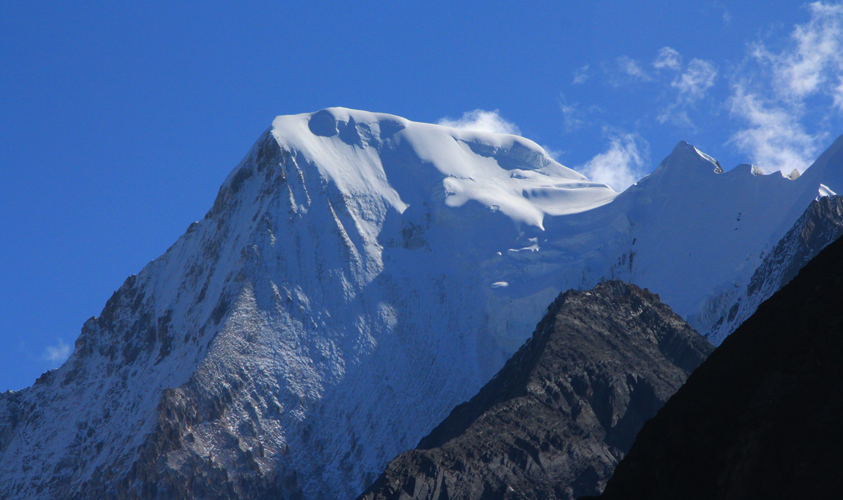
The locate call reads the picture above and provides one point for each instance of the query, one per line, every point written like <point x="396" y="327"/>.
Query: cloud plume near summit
<point x="483" y="121"/>
<point x="622" y="164"/>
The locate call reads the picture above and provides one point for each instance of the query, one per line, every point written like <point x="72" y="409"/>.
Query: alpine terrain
<point x="561" y="413"/>
<point x="820" y="225"/>
<point x="761" y="417"/>
<point x="357" y="277"/>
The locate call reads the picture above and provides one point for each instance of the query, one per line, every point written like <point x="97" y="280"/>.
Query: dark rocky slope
<point x="761" y="417"/>
<point x="554" y="422"/>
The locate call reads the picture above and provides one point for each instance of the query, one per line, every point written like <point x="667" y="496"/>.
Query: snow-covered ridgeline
<point x="819" y="226"/>
<point x="358" y="276"/>
<point x="307" y="306"/>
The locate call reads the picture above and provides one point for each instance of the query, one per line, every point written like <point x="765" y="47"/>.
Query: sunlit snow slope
<point x="699" y="235"/>
<point x="358" y="276"/>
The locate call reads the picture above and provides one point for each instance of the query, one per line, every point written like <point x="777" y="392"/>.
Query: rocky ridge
<point x="554" y="422"/>
<point x="760" y="418"/>
<point x="358" y="276"/>
<point x="820" y="225"/>
<point x="267" y="352"/>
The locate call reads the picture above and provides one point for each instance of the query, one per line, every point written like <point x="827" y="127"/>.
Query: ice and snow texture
<point x="819" y="226"/>
<point x="360" y="275"/>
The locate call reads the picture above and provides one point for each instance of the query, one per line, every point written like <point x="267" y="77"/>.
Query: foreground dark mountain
<point x="821" y="224"/>
<point x="554" y="422"/>
<point x="761" y="417"/>
<point x="358" y="276"/>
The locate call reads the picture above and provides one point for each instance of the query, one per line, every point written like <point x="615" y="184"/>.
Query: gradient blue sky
<point x="119" y="120"/>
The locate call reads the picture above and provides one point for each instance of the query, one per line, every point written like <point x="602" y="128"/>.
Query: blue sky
<point x="119" y="120"/>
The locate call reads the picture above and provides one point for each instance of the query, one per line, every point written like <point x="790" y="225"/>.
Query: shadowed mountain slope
<point x="359" y="275"/>
<point x="821" y="224"/>
<point x="565" y="408"/>
<point x="761" y="417"/>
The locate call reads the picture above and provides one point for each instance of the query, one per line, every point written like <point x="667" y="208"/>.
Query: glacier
<point x="358" y="276"/>
<point x="818" y="227"/>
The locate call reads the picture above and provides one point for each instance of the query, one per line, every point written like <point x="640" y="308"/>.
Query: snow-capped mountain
<point x="760" y="418"/>
<point x="820" y="225"/>
<point x="358" y="276"/>
<point x="699" y="233"/>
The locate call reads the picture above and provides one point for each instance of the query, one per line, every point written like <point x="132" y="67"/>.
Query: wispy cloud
<point x="632" y="69"/>
<point x="622" y="164"/>
<point x="681" y="85"/>
<point x="572" y="115"/>
<point x="690" y="86"/>
<point x="772" y="91"/>
<point x="776" y="108"/>
<point x="57" y="353"/>
<point x="668" y="58"/>
<point x="815" y="57"/>
<point x="576" y="116"/>
<point x="580" y="75"/>
<point x="696" y="80"/>
<point x="483" y="121"/>
<point x="774" y="137"/>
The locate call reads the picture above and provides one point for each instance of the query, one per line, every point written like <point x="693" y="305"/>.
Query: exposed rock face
<point x="821" y="224"/>
<point x="357" y="277"/>
<point x="144" y="408"/>
<point x="761" y="417"/>
<point x="327" y="312"/>
<point x="554" y="422"/>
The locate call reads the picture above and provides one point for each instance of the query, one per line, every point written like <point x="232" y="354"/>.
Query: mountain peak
<point x="349" y="258"/>
<point x="380" y="156"/>
<point x="687" y="157"/>
<point x="599" y="365"/>
<point x="342" y="122"/>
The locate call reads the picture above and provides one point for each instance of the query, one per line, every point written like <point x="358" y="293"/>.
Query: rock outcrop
<point x="554" y="422"/>
<point x="761" y="417"/>
<point x="821" y="224"/>
<point x="359" y="275"/>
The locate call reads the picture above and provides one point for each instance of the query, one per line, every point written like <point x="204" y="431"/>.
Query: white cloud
<point x="690" y="87"/>
<point x="668" y="58"/>
<point x="620" y="166"/>
<point x="580" y="75"/>
<point x="556" y="154"/>
<point x="572" y="115"/>
<point x="696" y="80"/>
<point x="815" y="57"/>
<point x="770" y="95"/>
<point x="483" y="121"/>
<point x="57" y="353"/>
<point x="631" y="68"/>
<point x="774" y="137"/>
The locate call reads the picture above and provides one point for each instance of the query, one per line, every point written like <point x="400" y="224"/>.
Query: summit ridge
<point x="359" y="275"/>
